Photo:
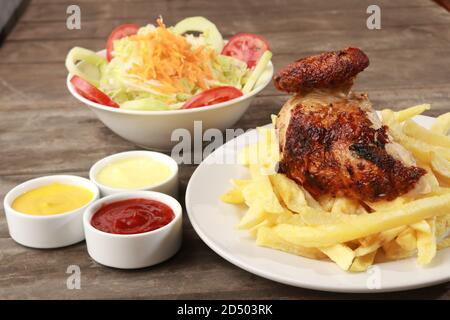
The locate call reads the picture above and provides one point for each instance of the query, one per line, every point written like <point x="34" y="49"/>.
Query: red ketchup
<point x="132" y="216"/>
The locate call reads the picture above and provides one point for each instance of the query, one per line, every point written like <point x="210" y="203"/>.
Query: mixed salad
<point x="155" y="67"/>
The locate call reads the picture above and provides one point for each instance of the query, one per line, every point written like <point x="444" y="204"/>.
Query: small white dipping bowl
<point x="170" y="186"/>
<point x="133" y="251"/>
<point x="50" y="231"/>
<point x="153" y="129"/>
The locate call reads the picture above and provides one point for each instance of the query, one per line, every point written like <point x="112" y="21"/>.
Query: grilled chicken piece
<point x="323" y="71"/>
<point x="332" y="142"/>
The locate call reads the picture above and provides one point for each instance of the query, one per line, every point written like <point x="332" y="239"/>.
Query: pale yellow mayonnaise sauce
<point x="134" y="173"/>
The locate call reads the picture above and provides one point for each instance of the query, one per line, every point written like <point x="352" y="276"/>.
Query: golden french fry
<point x="344" y="205"/>
<point x="442" y="124"/>
<point x="365" y="224"/>
<point x="426" y="241"/>
<point x="264" y="154"/>
<point x="240" y="183"/>
<point x="441" y="166"/>
<point x="407" y="239"/>
<point x="439" y="191"/>
<point x="341" y="254"/>
<point x="362" y="263"/>
<point x="253" y="216"/>
<point x="310" y="200"/>
<point x="309" y="217"/>
<point x="421" y="226"/>
<point x="444" y="243"/>
<point x="266" y="237"/>
<point x="233" y="196"/>
<point x="290" y="218"/>
<point x="411" y="112"/>
<point x="248" y="155"/>
<point x="253" y="231"/>
<point x="418" y="132"/>
<point x="372" y="243"/>
<point x="260" y="193"/>
<point x="442" y="225"/>
<point x="289" y="191"/>
<point x="388" y="205"/>
<point x="393" y="251"/>
<point x="420" y="149"/>
<point x="388" y="117"/>
<point x="273" y="118"/>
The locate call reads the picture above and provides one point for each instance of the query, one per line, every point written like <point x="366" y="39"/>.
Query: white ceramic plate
<point x="215" y="223"/>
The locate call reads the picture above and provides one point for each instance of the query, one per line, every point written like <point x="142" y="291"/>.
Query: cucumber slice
<point x="256" y="73"/>
<point x="203" y="25"/>
<point x="89" y="67"/>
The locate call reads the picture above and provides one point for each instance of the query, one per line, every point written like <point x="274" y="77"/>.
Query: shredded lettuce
<point x="229" y="71"/>
<point x="145" y="104"/>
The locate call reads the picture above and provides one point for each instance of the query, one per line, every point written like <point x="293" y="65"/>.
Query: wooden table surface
<point x="43" y="130"/>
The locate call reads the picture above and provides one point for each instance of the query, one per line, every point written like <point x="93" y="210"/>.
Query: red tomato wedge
<point x="212" y="96"/>
<point x="247" y="47"/>
<point x="90" y="92"/>
<point x="119" y="32"/>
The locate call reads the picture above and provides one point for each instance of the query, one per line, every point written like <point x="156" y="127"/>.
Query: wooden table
<point x="43" y="130"/>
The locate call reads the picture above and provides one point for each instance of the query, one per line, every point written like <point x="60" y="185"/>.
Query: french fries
<point x="290" y="192"/>
<point x="441" y="166"/>
<point x="366" y="224"/>
<point x="266" y="237"/>
<point x="341" y="254"/>
<point x="362" y="263"/>
<point x="418" y="132"/>
<point x="282" y="215"/>
<point x="442" y="124"/>
<point x="426" y="241"/>
<point x="411" y="112"/>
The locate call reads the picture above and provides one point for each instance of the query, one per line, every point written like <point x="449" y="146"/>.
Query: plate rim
<point x="280" y="279"/>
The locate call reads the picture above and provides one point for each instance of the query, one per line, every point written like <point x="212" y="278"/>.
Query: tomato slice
<point x="90" y="92"/>
<point x="212" y="96"/>
<point x="119" y="32"/>
<point x="247" y="47"/>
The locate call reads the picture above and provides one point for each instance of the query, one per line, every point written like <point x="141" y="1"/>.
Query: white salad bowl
<point x="156" y="129"/>
<point x="50" y="231"/>
<point x="134" y="251"/>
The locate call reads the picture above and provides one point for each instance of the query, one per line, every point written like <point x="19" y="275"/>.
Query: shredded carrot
<point x="168" y="58"/>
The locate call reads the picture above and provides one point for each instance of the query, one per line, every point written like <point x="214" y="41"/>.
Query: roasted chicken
<point x="331" y="140"/>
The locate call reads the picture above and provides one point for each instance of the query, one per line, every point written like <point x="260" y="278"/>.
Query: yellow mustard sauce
<point x="55" y="198"/>
<point x="134" y="173"/>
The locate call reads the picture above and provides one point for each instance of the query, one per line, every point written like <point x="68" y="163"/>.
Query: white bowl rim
<point x="168" y="112"/>
<point x="96" y="167"/>
<point x="93" y="187"/>
<point x="150" y="195"/>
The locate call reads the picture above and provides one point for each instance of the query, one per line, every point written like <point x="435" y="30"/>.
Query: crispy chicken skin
<point x="332" y="142"/>
<point x="326" y="70"/>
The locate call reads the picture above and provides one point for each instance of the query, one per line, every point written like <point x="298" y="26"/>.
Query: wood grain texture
<point x="43" y="130"/>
